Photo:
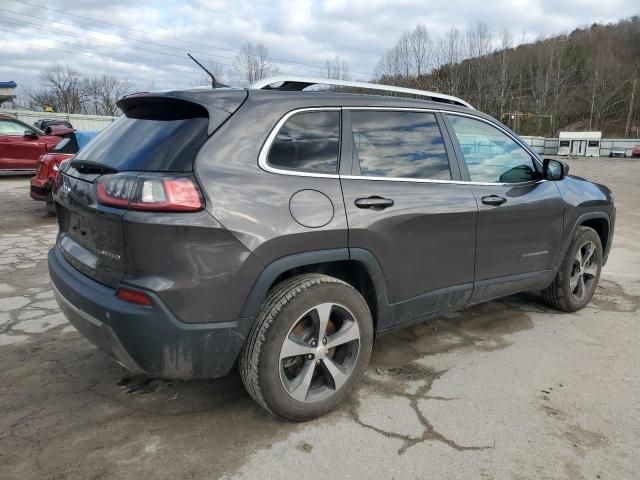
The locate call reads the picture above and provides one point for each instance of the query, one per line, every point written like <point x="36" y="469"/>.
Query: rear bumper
<point x="145" y="339"/>
<point x="41" y="193"/>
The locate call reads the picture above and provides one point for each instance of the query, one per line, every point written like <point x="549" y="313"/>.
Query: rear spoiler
<point x="218" y="104"/>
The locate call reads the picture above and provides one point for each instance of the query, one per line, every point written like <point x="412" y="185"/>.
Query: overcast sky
<point x="146" y="41"/>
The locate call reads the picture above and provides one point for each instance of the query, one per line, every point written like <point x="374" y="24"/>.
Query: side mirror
<point x="554" y="169"/>
<point x="30" y="134"/>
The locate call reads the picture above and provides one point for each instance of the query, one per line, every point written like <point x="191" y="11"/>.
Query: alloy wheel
<point x="584" y="270"/>
<point x="319" y="353"/>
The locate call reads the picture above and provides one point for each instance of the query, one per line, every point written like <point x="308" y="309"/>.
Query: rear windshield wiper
<point x="87" y="166"/>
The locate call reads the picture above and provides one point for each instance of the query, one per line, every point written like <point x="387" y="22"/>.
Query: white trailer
<point x="580" y="144"/>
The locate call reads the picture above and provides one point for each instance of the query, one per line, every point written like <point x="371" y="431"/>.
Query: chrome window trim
<point x="404" y="109"/>
<point x="264" y="151"/>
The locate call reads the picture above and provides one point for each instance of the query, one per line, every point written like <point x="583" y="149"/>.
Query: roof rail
<point x="293" y="83"/>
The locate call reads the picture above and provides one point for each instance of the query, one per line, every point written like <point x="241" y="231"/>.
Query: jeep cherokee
<point x="285" y="229"/>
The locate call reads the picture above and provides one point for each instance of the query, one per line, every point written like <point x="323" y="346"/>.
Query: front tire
<point x="576" y="280"/>
<point x="309" y="345"/>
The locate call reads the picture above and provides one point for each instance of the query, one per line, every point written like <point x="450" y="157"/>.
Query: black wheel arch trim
<point x="579" y="221"/>
<point x="272" y="271"/>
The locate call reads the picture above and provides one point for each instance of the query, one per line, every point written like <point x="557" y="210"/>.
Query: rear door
<point x="520" y="217"/>
<point x="406" y="206"/>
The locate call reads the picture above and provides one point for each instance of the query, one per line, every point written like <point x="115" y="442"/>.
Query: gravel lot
<point x="510" y="389"/>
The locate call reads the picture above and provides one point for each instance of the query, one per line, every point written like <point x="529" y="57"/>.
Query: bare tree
<point x="388" y="68"/>
<point x="102" y="92"/>
<point x="627" y="127"/>
<point x="447" y="55"/>
<point x="411" y="57"/>
<point x="504" y="79"/>
<point x="254" y="63"/>
<point x="61" y="89"/>
<point x="420" y="50"/>
<point x="337" y="69"/>
<point x="478" y="40"/>
<point x="478" y="46"/>
<point x="67" y="91"/>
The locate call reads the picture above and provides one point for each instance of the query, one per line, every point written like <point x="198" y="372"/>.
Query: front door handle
<point x="374" y="203"/>
<point x="494" y="200"/>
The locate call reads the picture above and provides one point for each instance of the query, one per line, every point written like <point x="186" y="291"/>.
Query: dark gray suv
<point x="285" y="229"/>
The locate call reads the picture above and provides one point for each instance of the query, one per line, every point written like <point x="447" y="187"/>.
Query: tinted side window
<point x="399" y="144"/>
<point x="309" y="142"/>
<point x="491" y="155"/>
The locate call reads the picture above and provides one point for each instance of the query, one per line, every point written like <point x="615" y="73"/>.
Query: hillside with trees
<point x="586" y="80"/>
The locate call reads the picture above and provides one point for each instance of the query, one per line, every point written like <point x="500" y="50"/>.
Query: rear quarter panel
<point x="254" y="204"/>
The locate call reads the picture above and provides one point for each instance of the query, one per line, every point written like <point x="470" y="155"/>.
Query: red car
<point x="635" y="152"/>
<point x="21" y="145"/>
<point x="49" y="163"/>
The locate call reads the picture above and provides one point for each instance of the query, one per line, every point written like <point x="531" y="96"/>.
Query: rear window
<point x="162" y="136"/>
<point x="308" y="142"/>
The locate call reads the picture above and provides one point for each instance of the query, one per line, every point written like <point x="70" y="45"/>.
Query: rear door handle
<point x="374" y="203"/>
<point x="494" y="200"/>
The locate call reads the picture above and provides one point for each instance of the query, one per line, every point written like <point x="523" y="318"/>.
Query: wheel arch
<point x="601" y="226"/>
<point x="358" y="267"/>
<point x="598" y="221"/>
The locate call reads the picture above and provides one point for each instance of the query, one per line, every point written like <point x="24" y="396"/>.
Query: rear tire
<point x="578" y="276"/>
<point x="309" y="345"/>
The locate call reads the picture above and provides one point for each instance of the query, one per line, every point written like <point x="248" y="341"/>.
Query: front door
<point x="520" y="216"/>
<point x="18" y="151"/>
<point x="401" y="209"/>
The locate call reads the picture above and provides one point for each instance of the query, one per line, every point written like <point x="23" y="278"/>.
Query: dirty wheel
<point x="578" y="276"/>
<point x="309" y="345"/>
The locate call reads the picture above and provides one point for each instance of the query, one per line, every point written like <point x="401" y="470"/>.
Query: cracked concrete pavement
<point x="508" y="389"/>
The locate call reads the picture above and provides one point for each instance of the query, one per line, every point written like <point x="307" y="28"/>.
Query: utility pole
<point x="629" y="115"/>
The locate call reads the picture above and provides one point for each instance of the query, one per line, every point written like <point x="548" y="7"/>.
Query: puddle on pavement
<point x="610" y="296"/>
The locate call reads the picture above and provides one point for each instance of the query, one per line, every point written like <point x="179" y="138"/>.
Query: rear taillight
<point x="149" y="192"/>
